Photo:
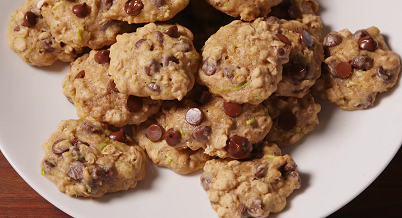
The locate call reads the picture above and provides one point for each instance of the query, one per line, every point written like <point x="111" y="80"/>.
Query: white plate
<point x="345" y="153"/>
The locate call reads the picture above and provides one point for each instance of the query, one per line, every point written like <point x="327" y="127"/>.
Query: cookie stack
<point x="224" y="110"/>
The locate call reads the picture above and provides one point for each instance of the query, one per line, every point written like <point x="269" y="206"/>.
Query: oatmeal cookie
<point x="253" y="188"/>
<point x="358" y="67"/>
<point x="242" y="62"/>
<point x="30" y="37"/>
<point x="248" y="10"/>
<point x="157" y="61"/>
<point x="293" y="118"/>
<point x="95" y="95"/>
<point x="144" y="11"/>
<point x="85" y="158"/>
<point x="82" y="23"/>
<point x="182" y="161"/>
<point x="306" y="56"/>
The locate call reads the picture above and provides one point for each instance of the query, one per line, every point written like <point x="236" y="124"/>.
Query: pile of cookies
<point x="194" y="88"/>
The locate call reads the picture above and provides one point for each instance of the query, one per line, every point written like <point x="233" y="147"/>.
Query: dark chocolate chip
<point x="158" y="3"/>
<point x="112" y="86"/>
<point x="360" y="33"/>
<point x="69" y="99"/>
<point x="238" y="146"/>
<point x="281" y="52"/>
<point x="29" y="19"/>
<point x="154" y="87"/>
<point x="108" y="24"/>
<point x="332" y="40"/>
<point x="152" y="67"/>
<point x="80" y="75"/>
<point x="61" y="150"/>
<point x="139" y="43"/>
<point x="256" y="208"/>
<point x="288" y="167"/>
<point x="283" y="38"/>
<point x="202" y="97"/>
<point x="167" y="59"/>
<point x="133" y="7"/>
<point x="368" y="43"/>
<point x="228" y="72"/>
<point x="296" y="71"/>
<point x="294" y="11"/>
<point x="76" y="170"/>
<point x="243" y="211"/>
<point x="154" y="133"/>
<point x="172" y="31"/>
<point x="17" y="28"/>
<point x="159" y="36"/>
<point x="306" y="38"/>
<point x="47" y="165"/>
<point x="102" y="56"/>
<point x="183" y="46"/>
<point x="134" y="104"/>
<point x="343" y="70"/>
<point x="257" y="152"/>
<point x="173" y="137"/>
<point x="48" y="45"/>
<point x="261" y="171"/>
<point x="384" y="75"/>
<point x="194" y="116"/>
<point x="202" y="133"/>
<point x="232" y="109"/>
<point x="287" y="121"/>
<point x="81" y="10"/>
<point x="118" y="136"/>
<point x="107" y="4"/>
<point x="209" y="67"/>
<point x="362" y="62"/>
<point x="205" y="182"/>
<point x="105" y="173"/>
<point x="87" y="127"/>
<point x="273" y="19"/>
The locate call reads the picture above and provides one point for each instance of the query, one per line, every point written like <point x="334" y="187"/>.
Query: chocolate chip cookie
<point x="293" y="118"/>
<point x="157" y="61"/>
<point x="143" y="11"/>
<point x="82" y="23"/>
<point x="253" y="188"/>
<point x="30" y="37"/>
<point x="247" y="10"/>
<point x="242" y="62"/>
<point x="306" y="56"/>
<point x="358" y="67"/>
<point x="86" y="158"/>
<point x="95" y="95"/>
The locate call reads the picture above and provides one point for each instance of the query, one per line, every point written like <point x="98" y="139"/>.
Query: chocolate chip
<point x="283" y="38"/>
<point x="61" y="150"/>
<point x="17" y="28"/>
<point x="105" y="173"/>
<point x="288" y="167"/>
<point x="159" y="36"/>
<point x="134" y="104"/>
<point x="167" y="59"/>
<point x="194" y="116"/>
<point x="232" y="109"/>
<point x="158" y="3"/>
<point x="296" y="71"/>
<point x="80" y="75"/>
<point x="102" y="56"/>
<point x="118" y="136"/>
<point x="368" y="43"/>
<point x="183" y="46"/>
<point x="273" y="19"/>
<point x="229" y="72"/>
<point x="154" y="87"/>
<point x="362" y="62"/>
<point x="257" y="152"/>
<point x="343" y="70"/>
<point x="332" y="40"/>
<point x="384" y="75"/>
<point x="107" y="4"/>
<point x="205" y="182"/>
<point x="202" y="133"/>
<point x="306" y="38"/>
<point x="76" y="170"/>
<point x="173" y="137"/>
<point x="47" y="165"/>
<point x="69" y="99"/>
<point x="360" y="33"/>
<point x="281" y="52"/>
<point x="243" y="211"/>
<point x="29" y="20"/>
<point x="287" y="121"/>
<point x="172" y="31"/>
<point x="202" y="97"/>
<point x="152" y="67"/>
<point x="48" y="45"/>
<point x="294" y="11"/>
<point x="139" y="43"/>
<point x="256" y="208"/>
<point x="209" y="67"/>
<point x="112" y="86"/>
<point x="154" y="133"/>
<point x="237" y="146"/>
<point x="133" y="7"/>
<point x="81" y="10"/>
<point x="261" y="171"/>
<point x="87" y="127"/>
<point x="293" y="174"/>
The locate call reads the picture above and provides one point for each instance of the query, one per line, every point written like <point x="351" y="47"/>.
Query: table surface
<point x="383" y="198"/>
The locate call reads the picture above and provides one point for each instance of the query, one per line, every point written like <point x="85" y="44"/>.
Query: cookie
<point x="86" y="158"/>
<point x="157" y="61"/>
<point x="82" y="23"/>
<point x="30" y="37"/>
<point x="242" y="62"/>
<point x="95" y="96"/>
<point x="358" y="67"/>
<point x="303" y="11"/>
<point x="248" y="10"/>
<point x="293" y="118"/>
<point x="306" y="56"/>
<point x="143" y="11"/>
<point x="253" y="188"/>
<point x="181" y="161"/>
<point x="206" y="122"/>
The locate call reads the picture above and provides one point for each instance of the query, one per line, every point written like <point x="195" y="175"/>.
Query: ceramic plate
<point x="344" y="154"/>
